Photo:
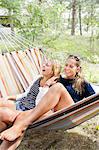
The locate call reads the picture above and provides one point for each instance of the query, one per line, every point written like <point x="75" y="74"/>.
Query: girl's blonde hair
<point x="79" y="79"/>
<point x="56" y="69"/>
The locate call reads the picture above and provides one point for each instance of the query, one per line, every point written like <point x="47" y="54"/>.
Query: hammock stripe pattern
<point x="17" y="70"/>
<point x="70" y="117"/>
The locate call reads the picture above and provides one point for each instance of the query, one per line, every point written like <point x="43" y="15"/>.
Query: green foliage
<point x="74" y="45"/>
<point x="31" y="24"/>
<point x="12" y="8"/>
<point x="97" y="127"/>
<point x="48" y="23"/>
<point x="10" y="4"/>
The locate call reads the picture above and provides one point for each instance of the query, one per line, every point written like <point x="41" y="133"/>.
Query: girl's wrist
<point x="47" y="85"/>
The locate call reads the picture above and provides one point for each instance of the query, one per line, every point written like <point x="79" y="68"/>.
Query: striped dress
<point x="28" y="102"/>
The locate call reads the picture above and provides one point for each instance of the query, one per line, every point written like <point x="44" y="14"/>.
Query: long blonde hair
<point x="56" y="69"/>
<point x="78" y="84"/>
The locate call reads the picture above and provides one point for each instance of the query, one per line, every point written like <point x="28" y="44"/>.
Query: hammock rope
<point x="4" y="43"/>
<point x="14" y="40"/>
<point x="5" y="37"/>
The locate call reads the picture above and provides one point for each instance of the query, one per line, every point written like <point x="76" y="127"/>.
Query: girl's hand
<point x="13" y="97"/>
<point x="51" y="81"/>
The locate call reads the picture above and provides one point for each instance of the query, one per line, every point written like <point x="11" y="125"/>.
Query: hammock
<point x="17" y="70"/>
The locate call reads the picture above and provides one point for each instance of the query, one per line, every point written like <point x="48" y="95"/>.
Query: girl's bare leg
<point x="7" y="115"/>
<point x="46" y="115"/>
<point x="6" y="145"/>
<point x="57" y="97"/>
<point x="7" y="103"/>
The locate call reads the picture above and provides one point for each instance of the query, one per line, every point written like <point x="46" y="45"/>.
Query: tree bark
<point x="73" y="17"/>
<point x="80" y="21"/>
<point x="11" y="23"/>
<point x="92" y="28"/>
<point x="40" y="1"/>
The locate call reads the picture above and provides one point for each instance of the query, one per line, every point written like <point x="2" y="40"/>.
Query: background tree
<point x="52" y="22"/>
<point x="13" y="10"/>
<point x="80" y="17"/>
<point x="73" y="17"/>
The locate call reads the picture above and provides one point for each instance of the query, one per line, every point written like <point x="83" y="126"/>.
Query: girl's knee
<point x="5" y="110"/>
<point x="5" y="103"/>
<point x="58" y="87"/>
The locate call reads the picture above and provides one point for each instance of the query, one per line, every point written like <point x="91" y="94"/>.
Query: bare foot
<point x="19" y="126"/>
<point x="6" y="145"/>
<point x="11" y="134"/>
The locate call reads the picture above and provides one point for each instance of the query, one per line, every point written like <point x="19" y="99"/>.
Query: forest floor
<point x="82" y="137"/>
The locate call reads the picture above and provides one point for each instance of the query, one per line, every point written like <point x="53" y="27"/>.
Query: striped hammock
<point x="17" y="70"/>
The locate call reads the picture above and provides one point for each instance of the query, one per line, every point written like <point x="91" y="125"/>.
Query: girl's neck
<point x="43" y="81"/>
<point x="70" y="78"/>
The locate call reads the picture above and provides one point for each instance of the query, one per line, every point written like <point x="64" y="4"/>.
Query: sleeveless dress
<point x="32" y="98"/>
<point x="28" y="102"/>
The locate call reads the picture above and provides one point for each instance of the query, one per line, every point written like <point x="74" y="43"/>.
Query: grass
<point x="91" y="72"/>
<point x="74" y="45"/>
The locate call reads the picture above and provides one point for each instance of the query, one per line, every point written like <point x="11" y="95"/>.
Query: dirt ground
<point x="82" y="137"/>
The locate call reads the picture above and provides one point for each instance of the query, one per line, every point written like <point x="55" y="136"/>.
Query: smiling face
<point x="71" y="68"/>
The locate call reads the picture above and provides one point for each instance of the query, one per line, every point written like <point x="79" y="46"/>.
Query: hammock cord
<point x="12" y="41"/>
<point x="2" y="40"/>
<point x="5" y="37"/>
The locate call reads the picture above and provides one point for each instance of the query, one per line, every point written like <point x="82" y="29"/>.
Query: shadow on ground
<point x="57" y="140"/>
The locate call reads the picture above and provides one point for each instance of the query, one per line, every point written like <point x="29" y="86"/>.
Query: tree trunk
<point x="12" y="28"/>
<point x="80" y="21"/>
<point x="92" y="28"/>
<point x="69" y="20"/>
<point x="73" y="17"/>
<point x="87" y="28"/>
<point x="40" y="1"/>
<point x="61" y="1"/>
<point x="11" y="22"/>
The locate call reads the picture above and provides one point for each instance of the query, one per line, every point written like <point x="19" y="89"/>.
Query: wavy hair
<point x="78" y="84"/>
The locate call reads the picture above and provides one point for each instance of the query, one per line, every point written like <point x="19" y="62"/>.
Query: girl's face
<point x="47" y="69"/>
<point x="71" y="68"/>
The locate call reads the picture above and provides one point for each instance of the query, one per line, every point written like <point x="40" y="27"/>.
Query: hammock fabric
<point x="17" y="70"/>
<point x="70" y="117"/>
